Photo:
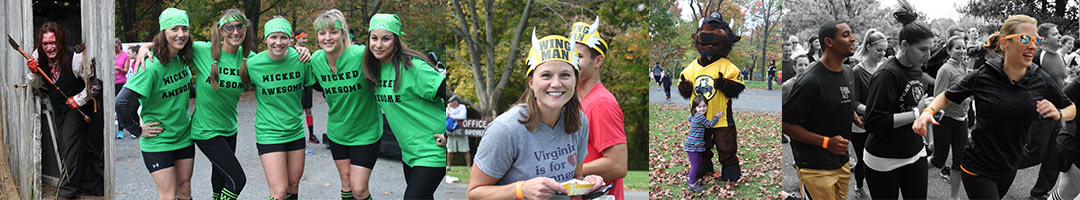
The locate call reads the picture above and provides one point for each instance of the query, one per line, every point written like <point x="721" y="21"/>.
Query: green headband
<point x="221" y="22"/>
<point x="337" y="25"/>
<point x="277" y="25"/>
<point x="388" y="22"/>
<point x="172" y="17"/>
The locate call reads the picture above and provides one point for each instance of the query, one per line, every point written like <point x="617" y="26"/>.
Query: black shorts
<point x="283" y="147"/>
<point x="1067" y="158"/>
<point x="161" y="160"/>
<point x="306" y="99"/>
<point x="359" y="155"/>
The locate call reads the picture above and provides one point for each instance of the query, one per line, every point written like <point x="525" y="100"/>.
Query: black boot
<point x="730" y="173"/>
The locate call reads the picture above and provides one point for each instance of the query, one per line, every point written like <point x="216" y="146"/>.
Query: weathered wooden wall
<point x="21" y="127"/>
<point x="20" y="122"/>
<point x="98" y="33"/>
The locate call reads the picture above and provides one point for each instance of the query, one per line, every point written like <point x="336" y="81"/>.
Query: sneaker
<point x="695" y="187"/>
<point x="312" y="139"/>
<point x="944" y="173"/>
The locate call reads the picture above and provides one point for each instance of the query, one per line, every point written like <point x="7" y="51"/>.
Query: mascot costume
<point x="715" y="78"/>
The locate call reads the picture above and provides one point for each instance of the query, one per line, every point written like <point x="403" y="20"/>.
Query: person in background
<point x="120" y="65"/>
<point x="457" y="143"/>
<point x="656" y="70"/>
<point x="607" y="139"/>
<point x="1043" y="133"/>
<point x="772" y="73"/>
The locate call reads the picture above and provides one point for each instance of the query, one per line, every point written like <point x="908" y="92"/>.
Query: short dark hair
<point x="1044" y="28"/>
<point x="828" y="30"/>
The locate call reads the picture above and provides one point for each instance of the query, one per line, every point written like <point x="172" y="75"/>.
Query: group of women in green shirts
<point x="356" y="80"/>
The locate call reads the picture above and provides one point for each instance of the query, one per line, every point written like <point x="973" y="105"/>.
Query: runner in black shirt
<point x="894" y="155"/>
<point x="1009" y="94"/>
<point x="818" y="117"/>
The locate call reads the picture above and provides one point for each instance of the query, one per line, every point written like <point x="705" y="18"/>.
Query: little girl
<point x="695" y="144"/>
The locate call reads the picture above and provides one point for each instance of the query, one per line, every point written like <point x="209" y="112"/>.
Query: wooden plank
<point x="100" y="43"/>
<point x="23" y="151"/>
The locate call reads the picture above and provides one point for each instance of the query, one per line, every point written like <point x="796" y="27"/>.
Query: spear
<point x="15" y="45"/>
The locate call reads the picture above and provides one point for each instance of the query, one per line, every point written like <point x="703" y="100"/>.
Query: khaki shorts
<point x="456" y="144"/>
<point x="825" y="184"/>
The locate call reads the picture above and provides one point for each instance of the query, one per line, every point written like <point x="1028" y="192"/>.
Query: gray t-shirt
<point x="511" y="153"/>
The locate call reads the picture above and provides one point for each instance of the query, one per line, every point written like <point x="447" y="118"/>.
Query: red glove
<point x="71" y="103"/>
<point x="33" y="66"/>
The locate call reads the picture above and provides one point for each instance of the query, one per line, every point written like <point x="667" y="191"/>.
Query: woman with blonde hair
<point x="1010" y="92"/>
<point x="870" y="54"/>
<point x="353" y="127"/>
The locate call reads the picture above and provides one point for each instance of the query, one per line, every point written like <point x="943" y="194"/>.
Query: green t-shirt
<point x="414" y="113"/>
<point x="215" y="110"/>
<point x="163" y="91"/>
<point x="278" y="88"/>
<point x="354" y="118"/>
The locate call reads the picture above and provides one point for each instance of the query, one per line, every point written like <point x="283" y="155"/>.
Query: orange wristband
<point x="928" y="108"/>
<point x="825" y="142"/>
<point x="519" y="196"/>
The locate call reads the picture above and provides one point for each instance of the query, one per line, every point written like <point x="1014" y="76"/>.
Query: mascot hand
<point x="685" y="87"/>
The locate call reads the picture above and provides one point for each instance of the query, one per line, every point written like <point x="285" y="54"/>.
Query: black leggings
<point x="909" y="180"/>
<point x="422" y="181"/>
<point x="982" y="187"/>
<point x="950" y="134"/>
<point x="858" y="141"/>
<point x="226" y="170"/>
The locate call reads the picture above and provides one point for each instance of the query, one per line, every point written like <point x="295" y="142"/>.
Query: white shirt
<point x="456" y="113"/>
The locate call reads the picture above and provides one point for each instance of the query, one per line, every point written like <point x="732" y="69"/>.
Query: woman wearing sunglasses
<point x="219" y="70"/>
<point x="1010" y="92"/>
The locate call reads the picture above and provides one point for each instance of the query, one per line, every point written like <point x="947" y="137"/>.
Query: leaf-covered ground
<point x="759" y="153"/>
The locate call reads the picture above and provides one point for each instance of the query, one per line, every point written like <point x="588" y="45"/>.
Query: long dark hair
<point x="245" y="46"/>
<point x="571" y="111"/>
<point x="161" y="49"/>
<point x="62" y="49"/>
<point x="402" y="60"/>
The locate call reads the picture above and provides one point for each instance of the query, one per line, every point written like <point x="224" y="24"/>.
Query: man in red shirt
<point x="607" y="140"/>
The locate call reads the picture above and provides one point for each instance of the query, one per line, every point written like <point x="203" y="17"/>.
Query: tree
<point x="481" y="48"/>
<point x="1046" y="11"/>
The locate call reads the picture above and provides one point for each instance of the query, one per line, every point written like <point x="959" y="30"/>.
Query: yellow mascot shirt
<point x="703" y="77"/>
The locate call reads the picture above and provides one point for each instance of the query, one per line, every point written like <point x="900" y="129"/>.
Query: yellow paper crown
<point x="552" y="47"/>
<point x="589" y="35"/>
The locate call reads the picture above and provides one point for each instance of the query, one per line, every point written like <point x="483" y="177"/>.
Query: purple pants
<point x="695" y="162"/>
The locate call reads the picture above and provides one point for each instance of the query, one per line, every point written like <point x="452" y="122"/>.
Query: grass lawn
<point x="756" y="84"/>
<point x="759" y="153"/>
<point x="635" y="180"/>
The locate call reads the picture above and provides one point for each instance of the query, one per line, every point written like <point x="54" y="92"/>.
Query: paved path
<point x="937" y="188"/>
<point x="320" y="179"/>
<point x="751" y="99"/>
